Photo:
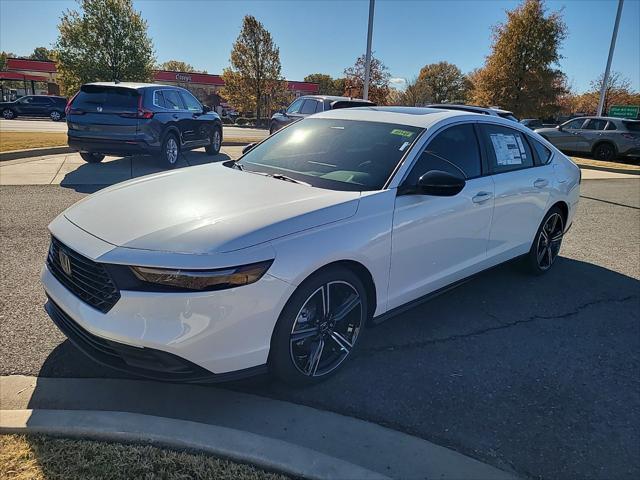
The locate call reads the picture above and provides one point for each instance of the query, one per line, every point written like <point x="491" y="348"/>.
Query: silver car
<point x="603" y="137"/>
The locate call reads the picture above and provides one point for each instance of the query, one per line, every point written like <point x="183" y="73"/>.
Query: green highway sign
<point x="624" y="111"/>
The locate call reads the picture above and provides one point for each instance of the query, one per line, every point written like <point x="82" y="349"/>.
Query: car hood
<point x="206" y="209"/>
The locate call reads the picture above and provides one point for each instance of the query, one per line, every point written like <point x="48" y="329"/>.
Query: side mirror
<point x="436" y="183"/>
<point x="282" y="111"/>
<point x="206" y="108"/>
<point x="559" y="128"/>
<point x="248" y="147"/>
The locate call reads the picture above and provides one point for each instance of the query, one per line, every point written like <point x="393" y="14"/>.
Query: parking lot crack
<point x="502" y="326"/>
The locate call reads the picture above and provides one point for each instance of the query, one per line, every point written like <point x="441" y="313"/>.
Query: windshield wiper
<point x="286" y="178"/>
<point x="237" y="165"/>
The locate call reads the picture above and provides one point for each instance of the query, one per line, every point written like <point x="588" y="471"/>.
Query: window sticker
<point x="403" y="146"/>
<point x="402" y="133"/>
<point x="509" y="149"/>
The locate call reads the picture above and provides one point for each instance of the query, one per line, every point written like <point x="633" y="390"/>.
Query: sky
<point x="327" y="36"/>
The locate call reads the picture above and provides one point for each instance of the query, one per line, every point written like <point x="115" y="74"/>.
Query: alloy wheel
<point x="326" y="328"/>
<point x="55" y="116"/>
<point x="172" y="150"/>
<point x="215" y="141"/>
<point x="549" y="241"/>
<point x="8" y="114"/>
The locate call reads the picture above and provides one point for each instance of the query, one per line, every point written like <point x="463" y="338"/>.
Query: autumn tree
<point x="327" y="85"/>
<point x="3" y="59"/>
<point x="253" y="81"/>
<point x="617" y="91"/>
<point x="520" y="73"/>
<point x="414" y="94"/>
<point x="178" y="66"/>
<point x="378" y="80"/>
<point x="443" y="82"/>
<point x="104" y="40"/>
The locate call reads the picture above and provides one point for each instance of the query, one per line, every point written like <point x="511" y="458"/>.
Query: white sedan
<point x="281" y="260"/>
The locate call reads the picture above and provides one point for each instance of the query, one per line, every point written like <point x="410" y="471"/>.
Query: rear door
<point x="104" y="112"/>
<point x="522" y="191"/>
<point x="40" y="106"/>
<point x="591" y="132"/>
<point x="179" y="114"/>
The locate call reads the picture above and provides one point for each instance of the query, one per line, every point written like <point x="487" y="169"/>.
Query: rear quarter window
<point x="543" y="153"/>
<point x="632" y="126"/>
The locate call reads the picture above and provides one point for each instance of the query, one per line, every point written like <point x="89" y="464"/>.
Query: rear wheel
<point x="604" y="151"/>
<point x="92" y="157"/>
<point x="319" y="327"/>
<point x="8" y="114"/>
<point x="55" y="115"/>
<point x="170" y="151"/>
<point x="216" y="142"/>
<point x="547" y="242"/>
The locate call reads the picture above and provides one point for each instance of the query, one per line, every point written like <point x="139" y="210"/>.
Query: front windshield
<point x="334" y="154"/>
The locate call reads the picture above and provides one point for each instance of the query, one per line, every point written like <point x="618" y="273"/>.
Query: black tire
<point x="55" y="115"/>
<point x="604" y="151"/>
<point x="92" y="157"/>
<point x="547" y="242"/>
<point x="170" y="152"/>
<point x="216" y="142"/>
<point x="273" y="128"/>
<point x="8" y="114"/>
<point x="339" y="335"/>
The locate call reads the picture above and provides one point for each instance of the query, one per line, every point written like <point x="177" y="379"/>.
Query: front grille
<point x="88" y="280"/>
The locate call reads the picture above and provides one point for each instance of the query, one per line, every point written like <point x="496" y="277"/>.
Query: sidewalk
<point x="70" y="169"/>
<point x="269" y="433"/>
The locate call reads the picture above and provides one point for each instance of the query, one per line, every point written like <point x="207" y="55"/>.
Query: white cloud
<point x="398" y="81"/>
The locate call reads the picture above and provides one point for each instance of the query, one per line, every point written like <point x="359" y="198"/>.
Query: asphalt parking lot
<point x="540" y="375"/>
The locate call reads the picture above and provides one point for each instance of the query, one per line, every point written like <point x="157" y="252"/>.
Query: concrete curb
<point x="368" y="446"/>
<point x="239" y="446"/>
<point x="608" y="169"/>
<point x="41" y="152"/>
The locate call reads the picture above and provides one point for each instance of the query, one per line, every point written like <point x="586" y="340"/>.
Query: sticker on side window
<point x="509" y="149"/>
<point x="402" y="133"/>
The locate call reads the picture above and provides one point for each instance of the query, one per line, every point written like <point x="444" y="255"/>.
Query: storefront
<point x="39" y="77"/>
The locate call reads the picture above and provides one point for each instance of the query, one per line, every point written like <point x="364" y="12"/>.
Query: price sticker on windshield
<point x="402" y="133"/>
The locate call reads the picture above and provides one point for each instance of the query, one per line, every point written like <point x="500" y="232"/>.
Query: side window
<point x="26" y="100"/>
<point x="172" y="100"/>
<point x="574" y="124"/>
<point x="309" y="107"/>
<point x="454" y="150"/>
<point x="544" y="154"/>
<point x="295" y="106"/>
<point x="507" y="149"/>
<point x="319" y="107"/>
<point x="192" y="103"/>
<point x="158" y="99"/>
<point x="611" y="126"/>
<point x="595" y="124"/>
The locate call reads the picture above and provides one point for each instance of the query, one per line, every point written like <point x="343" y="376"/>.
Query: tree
<point x="443" y="82"/>
<point x="378" y="80"/>
<point x="394" y="97"/>
<point x="253" y="81"/>
<point x="519" y="74"/>
<point x="42" y="53"/>
<point x="414" y="94"/>
<point x="178" y="66"/>
<point x="105" y="40"/>
<point x="617" y="91"/>
<point x="327" y="85"/>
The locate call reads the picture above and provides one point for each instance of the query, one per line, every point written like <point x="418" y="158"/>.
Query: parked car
<point x="282" y="259"/>
<point x="34" y="106"/>
<point x="497" y="112"/>
<point x="603" y="137"/>
<point x="140" y="118"/>
<point x="307" y="105"/>
<point x="532" y="123"/>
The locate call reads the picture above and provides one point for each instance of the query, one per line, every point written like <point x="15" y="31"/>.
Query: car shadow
<point x="91" y="177"/>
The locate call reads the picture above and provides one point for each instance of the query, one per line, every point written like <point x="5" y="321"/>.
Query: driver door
<point x="439" y="240"/>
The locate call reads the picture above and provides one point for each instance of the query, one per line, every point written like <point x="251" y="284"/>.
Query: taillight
<point x="67" y="109"/>
<point x="143" y="112"/>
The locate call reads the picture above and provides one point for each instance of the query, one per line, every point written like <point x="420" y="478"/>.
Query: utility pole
<point x="367" y="65"/>
<point x="605" y="79"/>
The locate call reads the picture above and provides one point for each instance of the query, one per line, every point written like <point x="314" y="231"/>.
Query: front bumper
<point x="200" y="336"/>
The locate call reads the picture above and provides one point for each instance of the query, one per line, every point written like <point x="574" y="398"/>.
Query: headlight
<point x="204" y="279"/>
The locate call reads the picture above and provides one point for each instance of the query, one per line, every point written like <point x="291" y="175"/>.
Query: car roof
<point x="336" y="98"/>
<point x="470" y="108"/>
<point x="413" y="116"/>
<point x="133" y="85"/>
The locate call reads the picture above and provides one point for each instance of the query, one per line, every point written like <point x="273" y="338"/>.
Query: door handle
<point x="481" y="197"/>
<point x="175" y="115"/>
<point x="541" y="183"/>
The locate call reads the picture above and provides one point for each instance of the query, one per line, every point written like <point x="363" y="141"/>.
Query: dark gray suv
<point x="140" y="118"/>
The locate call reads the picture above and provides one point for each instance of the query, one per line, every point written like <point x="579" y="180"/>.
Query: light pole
<point x="612" y="47"/>
<point x="367" y="65"/>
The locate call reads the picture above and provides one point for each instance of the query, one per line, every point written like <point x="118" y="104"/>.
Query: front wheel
<point x="604" y="151"/>
<point x="547" y="242"/>
<point x="216" y="142"/>
<point x="92" y="157"/>
<point x="319" y="327"/>
<point x="170" y="151"/>
<point x="55" y="116"/>
<point x="8" y="114"/>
